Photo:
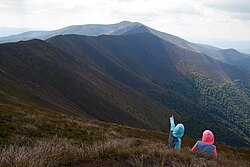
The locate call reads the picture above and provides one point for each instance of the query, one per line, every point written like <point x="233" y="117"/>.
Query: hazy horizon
<point x="212" y="22"/>
<point x="242" y="46"/>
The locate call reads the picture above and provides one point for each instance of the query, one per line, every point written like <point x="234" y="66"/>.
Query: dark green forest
<point x="223" y="104"/>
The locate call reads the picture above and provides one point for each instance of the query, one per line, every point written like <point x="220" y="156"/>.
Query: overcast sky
<point x="194" y="20"/>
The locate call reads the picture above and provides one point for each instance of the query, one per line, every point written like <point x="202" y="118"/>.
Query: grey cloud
<point x="187" y="10"/>
<point x="241" y="16"/>
<point x="238" y="6"/>
<point x="235" y="9"/>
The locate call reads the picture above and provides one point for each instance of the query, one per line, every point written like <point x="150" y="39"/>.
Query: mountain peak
<point x="129" y="22"/>
<point x="124" y="22"/>
<point x="128" y="27"/>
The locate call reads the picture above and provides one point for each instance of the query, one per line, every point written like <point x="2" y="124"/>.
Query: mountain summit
<point x="126" y="27"/>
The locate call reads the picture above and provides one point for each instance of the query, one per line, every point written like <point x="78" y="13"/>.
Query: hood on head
<point x="208" y="137"/>
<point x="178" y="130"/>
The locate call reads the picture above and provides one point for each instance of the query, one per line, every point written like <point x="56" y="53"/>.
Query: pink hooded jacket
<point x="206" y="145"/>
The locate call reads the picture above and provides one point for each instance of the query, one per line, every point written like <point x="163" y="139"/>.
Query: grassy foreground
<point x="35" y="137"/>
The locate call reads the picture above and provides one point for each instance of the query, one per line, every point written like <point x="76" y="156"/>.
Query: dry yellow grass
<point x="34" y="138"/>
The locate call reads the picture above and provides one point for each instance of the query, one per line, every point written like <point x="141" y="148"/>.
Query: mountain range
<point x="229" y="56"/>
<point x="130" y="74"/>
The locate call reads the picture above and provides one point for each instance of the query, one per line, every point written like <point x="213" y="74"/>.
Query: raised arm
<point x="172" y="124"/>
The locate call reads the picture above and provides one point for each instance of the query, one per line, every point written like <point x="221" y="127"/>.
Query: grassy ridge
<point x="35" y="137"/>
<point x="162" y="70"/>
<point x="108" y="78"/>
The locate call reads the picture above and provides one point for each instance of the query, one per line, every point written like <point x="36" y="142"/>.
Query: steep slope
<point x="57" y="80"/>
<point x="145" y="55"/>
<point x="130" y="52"/>
<point x="187" y="61"/>
<point x="126" y="27"/>
<point x="165" y="64"/>
<point x="230" y="56"/>
<point x="121" y="78"/>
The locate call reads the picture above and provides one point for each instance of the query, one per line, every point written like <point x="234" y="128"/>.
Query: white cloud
<point x="190" y="19"/>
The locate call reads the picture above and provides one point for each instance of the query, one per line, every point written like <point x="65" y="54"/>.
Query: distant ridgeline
<point x="134" y="76"/>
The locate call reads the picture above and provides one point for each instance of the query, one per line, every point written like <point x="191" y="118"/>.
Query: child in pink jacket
<point x="206" y="145"/>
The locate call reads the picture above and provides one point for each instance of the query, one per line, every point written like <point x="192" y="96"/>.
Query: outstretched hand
<point x="172" y="116"/>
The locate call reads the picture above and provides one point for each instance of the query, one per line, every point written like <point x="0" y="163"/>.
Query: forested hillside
<point x="226" y="100"/>
<point x="137" y="80"/>
<point x="177" y="72"/>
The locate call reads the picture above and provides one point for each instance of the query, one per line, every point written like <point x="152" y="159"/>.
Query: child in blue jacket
<point x="176" y="132"/>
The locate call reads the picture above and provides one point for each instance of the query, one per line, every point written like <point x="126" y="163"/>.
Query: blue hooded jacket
<point x="178" y="132"/>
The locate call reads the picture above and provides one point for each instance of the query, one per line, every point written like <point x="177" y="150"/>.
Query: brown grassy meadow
<point x="36" y="138"/>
